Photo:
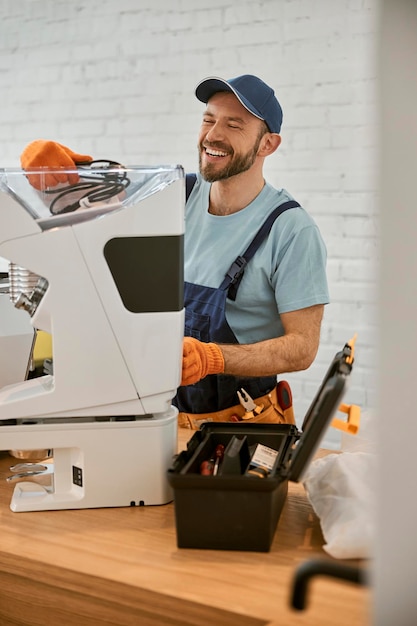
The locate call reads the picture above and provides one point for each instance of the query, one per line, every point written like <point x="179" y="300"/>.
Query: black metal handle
<point x="311" y="568"/>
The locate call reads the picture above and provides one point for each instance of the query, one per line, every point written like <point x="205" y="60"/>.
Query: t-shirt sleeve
<point x="300" y="277"/>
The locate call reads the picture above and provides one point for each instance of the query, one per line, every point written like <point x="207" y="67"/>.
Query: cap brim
<point x="209" y="86"/>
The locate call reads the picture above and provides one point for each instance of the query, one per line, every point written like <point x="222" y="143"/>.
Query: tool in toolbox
<point x="218" y="453"/>
<point x="262" y="461"/>
<point x="211" y="466"/>
<point x="207" y="467"/>
<point x="251" y="408"/>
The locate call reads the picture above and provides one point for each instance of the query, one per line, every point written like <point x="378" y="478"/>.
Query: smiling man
<point x="254" y="305"/>
<point x="255" y="277"/>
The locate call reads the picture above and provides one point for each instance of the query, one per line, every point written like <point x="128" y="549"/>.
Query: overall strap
<point x="190" y="180"/>
<point x="234" y="274"/>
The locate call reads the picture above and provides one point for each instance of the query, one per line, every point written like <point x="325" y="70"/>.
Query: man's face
<point x="229" y="138"/>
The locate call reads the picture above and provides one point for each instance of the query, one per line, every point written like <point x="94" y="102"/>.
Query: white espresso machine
<point x="103" y="258"/>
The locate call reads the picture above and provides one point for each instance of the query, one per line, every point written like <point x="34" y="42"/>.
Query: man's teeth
<point x="215" y="153"/>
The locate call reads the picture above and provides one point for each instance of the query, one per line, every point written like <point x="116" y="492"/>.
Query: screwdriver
<point x="218" y="455"/>
<point x="211" y="467"/>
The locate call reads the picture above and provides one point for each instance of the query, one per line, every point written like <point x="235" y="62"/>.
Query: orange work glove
<point x="200" y="359"/>
<point x="49" y="154"/>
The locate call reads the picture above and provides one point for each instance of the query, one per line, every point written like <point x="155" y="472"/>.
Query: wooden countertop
<point x="122" y="567"/>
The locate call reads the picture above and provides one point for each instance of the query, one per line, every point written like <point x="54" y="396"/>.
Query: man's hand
<point x="51" y="155"/>
<point x="200" y="359"/>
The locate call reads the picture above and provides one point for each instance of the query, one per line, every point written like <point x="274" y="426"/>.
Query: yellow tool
<point x="351" y="426"/>
<point x="352" y="411"/>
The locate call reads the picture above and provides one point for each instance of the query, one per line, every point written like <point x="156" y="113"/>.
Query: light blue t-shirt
<point x="287" y="273"/>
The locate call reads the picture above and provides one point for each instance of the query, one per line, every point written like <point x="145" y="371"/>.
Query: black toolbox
<point x="239" y="507"/>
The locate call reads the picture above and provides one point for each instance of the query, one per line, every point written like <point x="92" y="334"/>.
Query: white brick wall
<point x="116" y="80"/>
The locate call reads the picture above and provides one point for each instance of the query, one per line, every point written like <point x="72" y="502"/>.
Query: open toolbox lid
<point x="321" y="411"/>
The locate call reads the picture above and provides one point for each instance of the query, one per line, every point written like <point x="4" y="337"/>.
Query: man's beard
<point x="239" y="163"/>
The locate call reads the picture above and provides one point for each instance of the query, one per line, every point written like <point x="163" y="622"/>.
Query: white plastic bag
<point x="340" y="489"/>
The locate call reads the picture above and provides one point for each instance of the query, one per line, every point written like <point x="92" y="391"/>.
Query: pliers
<point x="251" y="408"/>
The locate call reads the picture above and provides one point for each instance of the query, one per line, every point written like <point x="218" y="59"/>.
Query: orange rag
<point x="50" y="155"/>
<point x="200" y="359"/>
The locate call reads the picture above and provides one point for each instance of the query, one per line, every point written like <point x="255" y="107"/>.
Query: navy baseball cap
<point x="255" y="95"/>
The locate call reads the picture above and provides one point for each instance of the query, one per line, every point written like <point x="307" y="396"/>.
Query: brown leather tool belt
<point x="271" y="413"/>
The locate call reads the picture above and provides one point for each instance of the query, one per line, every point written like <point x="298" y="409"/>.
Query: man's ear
<point x="270" y="142"/>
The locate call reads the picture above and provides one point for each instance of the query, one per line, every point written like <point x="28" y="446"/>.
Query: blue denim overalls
<point x="205" y="319"/>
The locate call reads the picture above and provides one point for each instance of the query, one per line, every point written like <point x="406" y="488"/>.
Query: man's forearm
<point x="289" y="353"/>
<point x="294" y="351"/>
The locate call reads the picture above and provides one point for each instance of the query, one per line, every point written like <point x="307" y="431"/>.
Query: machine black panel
<point x="148" y="272"/>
